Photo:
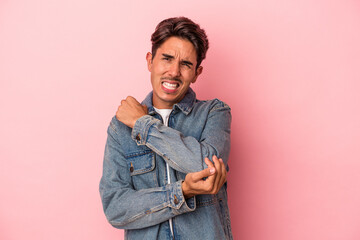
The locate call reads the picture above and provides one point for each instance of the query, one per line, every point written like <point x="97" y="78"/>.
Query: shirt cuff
<point x="177" y="200"/>
<point x="141" y="128"/>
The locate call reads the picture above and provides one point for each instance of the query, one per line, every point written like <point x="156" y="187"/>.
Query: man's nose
<point x="174" y="69"/>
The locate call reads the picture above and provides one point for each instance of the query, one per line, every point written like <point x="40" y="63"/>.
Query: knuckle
<point x="209" y="188"/>
<point x="191" y="177"/>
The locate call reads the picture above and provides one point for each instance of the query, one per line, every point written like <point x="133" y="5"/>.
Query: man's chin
<point x="170" y="98"/>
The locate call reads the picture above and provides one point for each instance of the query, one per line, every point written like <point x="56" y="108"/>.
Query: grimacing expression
<point x="173" y="69"/>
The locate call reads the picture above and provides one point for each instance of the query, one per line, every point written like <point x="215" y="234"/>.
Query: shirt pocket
<point x="141" y="166"/>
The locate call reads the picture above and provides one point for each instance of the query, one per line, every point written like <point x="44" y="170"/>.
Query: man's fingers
<point x="207" y="181"/>
<point x="131" y="100"/>
<point x="224" y="172"/>
<point x="204" y="173"/>
<point x="218" y="175"/>
<point x="210" y="166"/>
<point x="208" y="163"/>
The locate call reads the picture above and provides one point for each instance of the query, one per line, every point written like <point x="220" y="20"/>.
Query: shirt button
<point x="131" y="168"/>
<point x="138" y="137"/>
<point x="176" y="201"/>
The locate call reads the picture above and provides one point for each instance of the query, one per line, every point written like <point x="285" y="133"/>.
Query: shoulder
<point x="212" y="105"/>
<point x="117" y="128"/>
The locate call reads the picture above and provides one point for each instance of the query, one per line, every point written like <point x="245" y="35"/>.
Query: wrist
<point x="134" y="121"/>
<point x="186" y="191"/>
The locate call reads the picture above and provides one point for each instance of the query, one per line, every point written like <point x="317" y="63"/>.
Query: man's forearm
<point x="131" y="209"/>
<point x="128" y="208"/>
<point x="185" y="153"/>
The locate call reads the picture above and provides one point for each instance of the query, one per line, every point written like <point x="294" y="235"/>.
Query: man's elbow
<point x="115" y="220"/>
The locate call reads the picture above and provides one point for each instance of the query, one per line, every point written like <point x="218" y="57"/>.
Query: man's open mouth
<point x="170" y="86"/>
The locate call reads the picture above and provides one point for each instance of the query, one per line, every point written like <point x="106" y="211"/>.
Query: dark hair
<point x="181" y="27"/>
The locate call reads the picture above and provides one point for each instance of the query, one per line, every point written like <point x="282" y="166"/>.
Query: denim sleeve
<point x="127" y="208"/>
<point x="185" y="153"/>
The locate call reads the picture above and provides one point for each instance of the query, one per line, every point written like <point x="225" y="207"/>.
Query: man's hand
<point x="130" y="110"/>
<point x="195" y="184"/>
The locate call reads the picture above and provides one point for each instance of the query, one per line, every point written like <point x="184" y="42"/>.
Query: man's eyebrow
<point x="187" y="62"/>
<point x="167" y="55"/>
<point x="172" y="57"/>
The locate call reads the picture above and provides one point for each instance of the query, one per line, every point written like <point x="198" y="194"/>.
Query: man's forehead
<point x="178" y="47"/>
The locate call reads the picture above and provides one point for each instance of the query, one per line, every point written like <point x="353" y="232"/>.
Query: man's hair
<point x="181" y="27"/>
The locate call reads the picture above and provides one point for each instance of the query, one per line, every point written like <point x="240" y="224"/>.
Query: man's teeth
<point x="171" y="86"/>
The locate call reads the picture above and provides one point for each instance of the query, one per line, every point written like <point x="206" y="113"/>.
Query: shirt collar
<point x="185" y="105"/>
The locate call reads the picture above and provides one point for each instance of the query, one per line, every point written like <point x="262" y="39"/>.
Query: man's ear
<point x="149" y="61"/>
<point x="198" y="72"/>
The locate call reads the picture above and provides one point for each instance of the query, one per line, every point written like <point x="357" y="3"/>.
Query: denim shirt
<point x="134" y="189"/>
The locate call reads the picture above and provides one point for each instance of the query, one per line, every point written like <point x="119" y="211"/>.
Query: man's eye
<point x="187" y="65"/>
<point x="166" y="58"/>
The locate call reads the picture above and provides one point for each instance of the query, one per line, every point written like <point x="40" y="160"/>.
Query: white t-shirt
<point x="165" y="113"/>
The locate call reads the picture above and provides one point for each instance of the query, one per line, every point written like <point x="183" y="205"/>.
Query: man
<point x="158" y="181"/>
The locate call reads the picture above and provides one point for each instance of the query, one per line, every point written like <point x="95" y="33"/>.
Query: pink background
<point x="290" y="70"/>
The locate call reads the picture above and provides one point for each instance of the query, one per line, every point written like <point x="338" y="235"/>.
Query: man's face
<point x="172" y="69"/>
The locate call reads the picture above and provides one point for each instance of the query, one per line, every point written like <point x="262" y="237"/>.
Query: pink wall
<point x="290" y="70"/>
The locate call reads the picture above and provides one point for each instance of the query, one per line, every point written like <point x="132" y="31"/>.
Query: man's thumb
<point x="205" y="173"/>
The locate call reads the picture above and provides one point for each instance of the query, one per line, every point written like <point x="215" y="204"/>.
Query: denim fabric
<point x="134" y="189"/>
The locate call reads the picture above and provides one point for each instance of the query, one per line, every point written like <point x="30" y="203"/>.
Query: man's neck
<point x="162" y="105"/>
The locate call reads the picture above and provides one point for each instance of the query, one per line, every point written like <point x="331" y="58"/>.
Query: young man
<point x="158" y="181"/>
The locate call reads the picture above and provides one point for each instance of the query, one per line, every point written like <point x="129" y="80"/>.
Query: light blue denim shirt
<point x="134" y="189"/>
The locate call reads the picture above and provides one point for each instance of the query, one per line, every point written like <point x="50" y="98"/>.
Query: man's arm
<point x="128" y="208"/>
<point x="183" y="153"/>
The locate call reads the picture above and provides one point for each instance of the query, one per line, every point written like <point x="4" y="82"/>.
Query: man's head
<point x="178" y="47"/>
<point x="184" y="28"/>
